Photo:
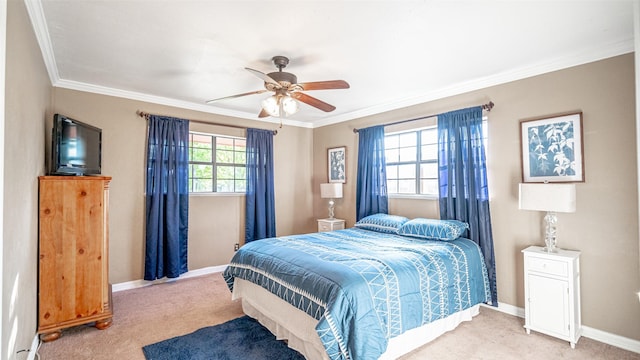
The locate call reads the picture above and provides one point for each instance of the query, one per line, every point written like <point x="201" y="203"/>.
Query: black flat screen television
<point x="76" y="147"/>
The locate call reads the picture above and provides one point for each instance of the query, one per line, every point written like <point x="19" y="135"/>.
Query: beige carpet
<point x="151" y="314"/>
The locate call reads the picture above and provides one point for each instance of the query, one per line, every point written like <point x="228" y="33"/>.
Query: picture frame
<point x="552" y="149"/>
<point x="337" y="164"/>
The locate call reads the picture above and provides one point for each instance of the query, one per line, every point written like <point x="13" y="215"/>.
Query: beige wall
<point x="605" y="225"/>
<point x="27" y="97"/>
<point x="216" y="222"/>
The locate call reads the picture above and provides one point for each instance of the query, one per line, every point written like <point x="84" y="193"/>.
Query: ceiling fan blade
<point x="263" y="114"/>
<point x="309" y="100"/>
<point x="266" y="78"/>
<point x="238" y="95"/>
<point x="325" y="85"/>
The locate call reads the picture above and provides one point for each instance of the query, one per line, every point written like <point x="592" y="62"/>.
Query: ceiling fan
<point x="286" y="88"/>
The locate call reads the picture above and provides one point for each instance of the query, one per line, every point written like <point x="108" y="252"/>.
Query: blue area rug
<point x="239" y="339"/>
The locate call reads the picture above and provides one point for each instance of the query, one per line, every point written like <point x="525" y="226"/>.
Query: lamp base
<point x="331" y="207"/>
<point x="550" y="236"/>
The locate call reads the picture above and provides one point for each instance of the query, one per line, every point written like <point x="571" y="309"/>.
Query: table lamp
<point x="551" y="198"/>
<point x="331" y="191"/>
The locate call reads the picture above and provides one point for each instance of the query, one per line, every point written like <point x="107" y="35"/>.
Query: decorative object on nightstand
<point x="551" y="198"/>
<point x="330" y="224"/>
<point x="331" y="191"/>
<point x="552" y="293"/>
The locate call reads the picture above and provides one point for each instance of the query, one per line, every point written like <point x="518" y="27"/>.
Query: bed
<point x="360" y="293"/>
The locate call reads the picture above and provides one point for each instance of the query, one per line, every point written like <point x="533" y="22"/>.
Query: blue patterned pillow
<point x="433" y="229"/>
<point x="383" y="223"/>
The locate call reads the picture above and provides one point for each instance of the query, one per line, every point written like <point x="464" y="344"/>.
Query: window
<point x="216" y="163"/>
<point x="412" y="161"/>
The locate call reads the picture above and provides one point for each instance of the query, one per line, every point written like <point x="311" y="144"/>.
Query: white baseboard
<point x="611" y="339"/>
<point x="588" y="332"/>
<point x="142" y="283"/>
<point x="507" y="309"/>
<point x="35" y="345"/>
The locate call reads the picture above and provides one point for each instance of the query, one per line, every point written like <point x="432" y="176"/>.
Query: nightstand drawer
<point x="324" y="226"/>
<point x="548" y="266"/>
<point x="330" y="224"/>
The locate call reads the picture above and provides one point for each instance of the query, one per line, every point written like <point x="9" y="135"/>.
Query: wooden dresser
<point x="73" y="273"/>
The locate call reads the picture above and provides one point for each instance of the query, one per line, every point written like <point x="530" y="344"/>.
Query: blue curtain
<point x="260" y="221"/>
<point x="371" y="187"/>
<point x="464" y="193"/>
<point x="167" y="197"/>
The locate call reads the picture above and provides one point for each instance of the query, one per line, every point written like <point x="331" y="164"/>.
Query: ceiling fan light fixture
<point x="277" y="104"/>
<point x="270" y="105"/>
<point x="289" y="105"/>
<point x="287" y="91"/>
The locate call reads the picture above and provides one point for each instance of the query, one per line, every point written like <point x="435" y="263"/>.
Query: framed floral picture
<point x="337" y="160"/>
<point x="552" y="149"/>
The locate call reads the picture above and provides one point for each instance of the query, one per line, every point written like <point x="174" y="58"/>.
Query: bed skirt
<point x="298" y="328"/>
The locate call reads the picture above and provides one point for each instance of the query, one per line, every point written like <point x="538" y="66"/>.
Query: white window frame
<point x="419" y="160"/>
<point x="214" y="164"/>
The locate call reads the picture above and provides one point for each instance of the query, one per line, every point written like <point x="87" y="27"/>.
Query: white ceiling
<point x="393" y="53"/>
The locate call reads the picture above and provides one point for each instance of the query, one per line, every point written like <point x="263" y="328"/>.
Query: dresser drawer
<point x="548" y="266"/>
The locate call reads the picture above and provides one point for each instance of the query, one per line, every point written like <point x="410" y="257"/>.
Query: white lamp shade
<point x="274" y="104"/>
<point x="548" y="197"/>
<point x="270" y="105"/>
<point x="331" y="191"/>
<point x="289" y="105"/>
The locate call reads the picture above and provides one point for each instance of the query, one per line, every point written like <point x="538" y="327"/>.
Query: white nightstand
<point x="552" y="293"/>
<point x="330" y="224"/>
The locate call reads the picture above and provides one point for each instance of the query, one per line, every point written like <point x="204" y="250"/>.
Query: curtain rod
<point x="486" y="107"/>
<point x="145" y="115"/>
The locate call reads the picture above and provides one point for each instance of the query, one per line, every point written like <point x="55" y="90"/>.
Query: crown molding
<point x="600" y="53"/>
<point x="182" y="104"/>
<point x="36" y="13"/>
<point x="39" y="24"/>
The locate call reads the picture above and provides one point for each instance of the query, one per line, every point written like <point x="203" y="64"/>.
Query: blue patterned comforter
<point x="365" y="287"/>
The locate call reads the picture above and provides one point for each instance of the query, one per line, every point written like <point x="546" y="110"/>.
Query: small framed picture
<point x="337" y="160"/>
<point x="552" y="149"/>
